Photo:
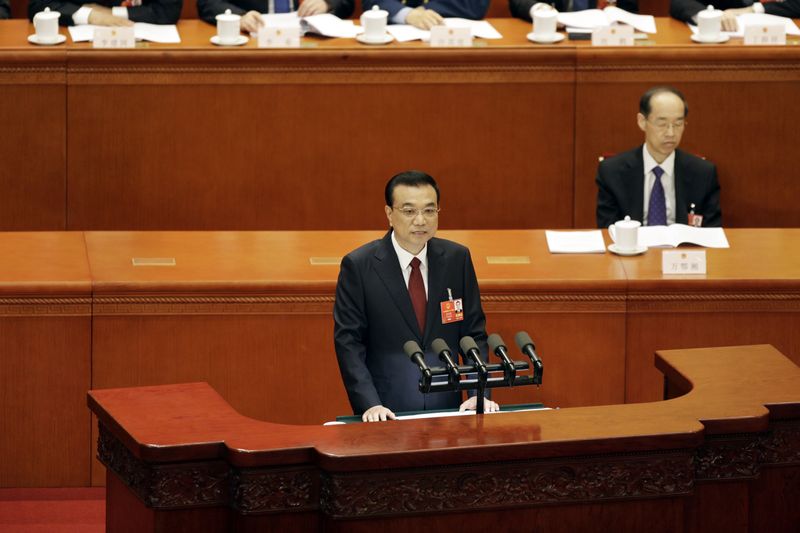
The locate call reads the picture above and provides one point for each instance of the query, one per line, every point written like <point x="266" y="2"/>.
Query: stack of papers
<point x="676" y="234"/>
<point x="575" y="242"/>
<point x="481" y="29"/>
<point x="595" y="18"/>
<point x="757" y="19"/>
<point x="326" y="24"/>
<point x="156" y="33"/>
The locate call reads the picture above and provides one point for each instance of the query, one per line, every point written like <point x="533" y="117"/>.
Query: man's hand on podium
<point x="377" y="413"/>
<point x="472" y="403"/>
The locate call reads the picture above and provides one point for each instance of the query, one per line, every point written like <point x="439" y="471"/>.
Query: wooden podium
<point x="722" y="453"/>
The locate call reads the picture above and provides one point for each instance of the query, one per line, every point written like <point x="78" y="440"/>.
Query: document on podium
<point x="677" y="234"/>
<point x="575" y="242"/>
<point x="143" y="31"/>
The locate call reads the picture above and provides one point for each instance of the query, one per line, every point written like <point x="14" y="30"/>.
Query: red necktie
<point x="416" y="289"/>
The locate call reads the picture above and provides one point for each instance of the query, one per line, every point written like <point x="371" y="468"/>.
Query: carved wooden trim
<point x="781" y="446"/>
<point x="35" y="306"/>
<point x="714" y="302"/>
<point x="172" y="486"/>
<point x="212" y="305"/>
<point x="573" y="302"/>
<point x="276" y="490"/>
<point x="530" y="483"/>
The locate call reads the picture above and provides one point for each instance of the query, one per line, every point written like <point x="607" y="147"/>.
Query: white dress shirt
<point x="667" y="181"/>
<point x="405" y="258"/>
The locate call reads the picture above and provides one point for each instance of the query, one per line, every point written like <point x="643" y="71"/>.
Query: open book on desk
<point x="757" y="19"/>
<point x="326" y="24"/>
<point x="677" y="234"/>
<point x="596" y="18"/>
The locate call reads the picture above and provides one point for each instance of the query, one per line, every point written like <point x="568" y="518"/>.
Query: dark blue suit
<point x="373" y="318"/>
<point x="468" y="9"/>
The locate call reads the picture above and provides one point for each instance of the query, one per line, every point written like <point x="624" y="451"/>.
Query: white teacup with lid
<point x="545" y="22"/>
<point x="709" y="24"/>
<point x="46" y="25"/>
<point x="625" y="234"/>
<point x="228" y="27"/>
<point x="374" y="23"/>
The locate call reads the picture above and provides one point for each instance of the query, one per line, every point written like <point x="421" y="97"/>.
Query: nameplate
<point x="508" y="259"/>
<point x="113" y="37"/>
<point x="683" y="262"/>
<point x="325" y="260"/>
<point x="614" y="35"/>
<point x="279" y="37"/>
<point x="765" y="34"/>
<point x="153" y="261"/>
<point x="444" y="36"/>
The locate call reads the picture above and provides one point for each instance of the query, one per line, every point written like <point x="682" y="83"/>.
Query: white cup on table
<point x="709" y="24"/>
<point x="625" y="234"/>
<point x="228" y="27"/>
<point x="374" y="23"/>
<point x="46" y="25"/>
<point x="545" y="22"/>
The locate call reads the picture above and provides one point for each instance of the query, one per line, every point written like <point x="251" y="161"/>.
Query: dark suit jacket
<point x="620" y="188"/>
<point x="152" y="11"/>
<point x="5" y="9"/>
<point x="468" y="9"/>
<point x="373" y="318"/>
<point x="686" y="9"/>
<point x="522" y="8"/>
<point x="209" y="9"/>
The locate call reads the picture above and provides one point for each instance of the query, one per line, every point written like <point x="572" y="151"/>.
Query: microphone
<point x="527" y="347"/>
<point x="470" y="349"/>
<point x="497" y="346"/>
<point x="414" y="352"/>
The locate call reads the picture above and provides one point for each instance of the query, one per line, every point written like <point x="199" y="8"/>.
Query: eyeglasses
<point x="663" y="125"/>
<point x="411" y="213"/>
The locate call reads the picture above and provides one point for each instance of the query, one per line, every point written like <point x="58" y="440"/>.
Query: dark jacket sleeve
<point x="470" y="9"/>
<point x="209" y="9"/>
<point x="684" y="10"/>
<point x="711" y="211"/>
<point x="157" y="11"/>
<point x="787" y="8"/>
<point x="341" y="8"/>
<point x="67" y="9"/>
<point x="474" y="323"/>
<point x="608" y="208"/>
<point x="350" y="337"/>
<point x="521" y="9"/>
<point x="631" y="6"/>
<point x="5" y="9"/>
<point x="391" y="6"/>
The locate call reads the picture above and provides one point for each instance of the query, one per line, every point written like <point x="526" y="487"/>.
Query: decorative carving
<point x="530" y="483"/>
<point x="544" y="302"/>
<point x="781" y="446"/>
<point x="727" y="457"/>
<point x="207" y="305"/>
<point x="36" y="306"/>
<point x="166" y="486"/>
<point x="712" y="302"/>
<point x="264" y="491"/>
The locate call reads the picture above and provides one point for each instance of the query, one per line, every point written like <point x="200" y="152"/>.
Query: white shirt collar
<point x="405" y="256"/>
<point x="668" y="166"/>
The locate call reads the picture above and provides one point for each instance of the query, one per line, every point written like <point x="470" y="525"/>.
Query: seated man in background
<point x="251" y="10"/>
<point x="522" y="8"/>
<point x="110" y="12"/>
<point x="426" y="14"/>
<point x="5" y="9"/>
<point x="656" y="183"/>
<point x="686" y="10"/>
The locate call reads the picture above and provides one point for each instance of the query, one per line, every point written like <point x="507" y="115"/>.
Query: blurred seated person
<point x="522" y="8"/>
<point x="251" y="10"/>
<point x="110" y="12"/>
<point x="5" y="9"/>
<point x="427" y="14"/>
<point x="687" y="10"/>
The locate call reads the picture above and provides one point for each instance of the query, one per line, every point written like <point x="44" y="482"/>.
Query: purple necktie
<point x="657" y="210"/>
<point x="416" y="289"/>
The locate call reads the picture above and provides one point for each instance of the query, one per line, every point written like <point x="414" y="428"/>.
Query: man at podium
<point x="391" y="291"/>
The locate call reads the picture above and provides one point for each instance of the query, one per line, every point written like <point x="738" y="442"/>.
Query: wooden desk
<point x="719" y="456"/>
<point x="509" y="126"/>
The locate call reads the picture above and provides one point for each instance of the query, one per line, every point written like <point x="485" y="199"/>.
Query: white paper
<point x="676" y="234"/>
<point x="596" y="18"/>
<point x="756" y="18"/>
<point x="406" y="32"/>
<point x="330" y="25"/>
<point x="157" y="33"/>
<point x="281" y="20"/>
<point x="481" y="29"/>
<point x="575" y="242"/>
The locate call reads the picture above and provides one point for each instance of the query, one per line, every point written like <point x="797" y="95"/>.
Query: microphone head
<point x="439" y="346"/>
<point x="467" y="343"/>
<point x="523" y="339"/>
<point x="411" y="348"/>
<point x="495" y="342"/>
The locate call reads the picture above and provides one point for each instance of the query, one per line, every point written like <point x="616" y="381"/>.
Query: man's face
<point x="664" y="126"/>
<point x="412" y="228"/>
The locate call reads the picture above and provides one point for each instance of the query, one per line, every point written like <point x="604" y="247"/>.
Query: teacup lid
<point x="228" y="16"/>
<point x="709" y="12"/>
<point x="47" y="14"/>
<point x="375" y="13"/>
<point x="627" y="223"/>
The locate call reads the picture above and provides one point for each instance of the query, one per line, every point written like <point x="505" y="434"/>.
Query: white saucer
<point x="639" y="250"/>
<point x="723" y="38"/>
<point x="387" y="38"/>
<point x="35" y="40"/>
<point x="555" y="38"/>
<point x="242" y="39"/>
